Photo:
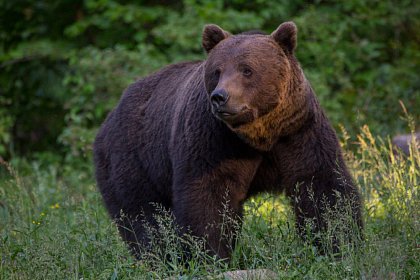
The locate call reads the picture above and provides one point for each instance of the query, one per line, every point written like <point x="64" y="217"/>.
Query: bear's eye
<point x="247" y="72"/>
<point x="217" y="74"/>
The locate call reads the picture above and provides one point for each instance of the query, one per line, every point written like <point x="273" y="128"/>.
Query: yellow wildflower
<point x="55" y="206"/>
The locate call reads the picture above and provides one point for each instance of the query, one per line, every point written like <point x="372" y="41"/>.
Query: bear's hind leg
<point x="138" y="227"/>
<point x="133" y="205"/>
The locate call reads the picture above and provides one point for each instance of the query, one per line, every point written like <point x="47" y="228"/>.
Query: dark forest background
<point x="65" y="63"/>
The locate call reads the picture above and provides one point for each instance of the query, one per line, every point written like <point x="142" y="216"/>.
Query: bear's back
<point x="135" y="136"/>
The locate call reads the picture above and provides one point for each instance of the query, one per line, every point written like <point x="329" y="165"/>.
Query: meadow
<point x="54" y="226"/>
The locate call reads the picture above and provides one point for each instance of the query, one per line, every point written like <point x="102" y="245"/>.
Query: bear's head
<point x="255" y="84"/>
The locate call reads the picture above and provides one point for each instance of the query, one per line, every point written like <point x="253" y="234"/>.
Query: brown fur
<point x="198" y="138"/>
<point x="289" y="93"/>
<point x="287" y="118"/>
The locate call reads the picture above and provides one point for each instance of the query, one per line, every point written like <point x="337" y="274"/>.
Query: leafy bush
<point x="95" y="80"/>
<point x="73" y="59"/>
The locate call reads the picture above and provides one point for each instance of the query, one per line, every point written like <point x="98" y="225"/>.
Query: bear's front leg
<point x="328" y="205"/>
<point x="209" y="203"/>
<point x="313" y="172"/>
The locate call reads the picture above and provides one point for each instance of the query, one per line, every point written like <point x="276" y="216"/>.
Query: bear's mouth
<point x="235" y="119"/>
<point x="225" y="113"/>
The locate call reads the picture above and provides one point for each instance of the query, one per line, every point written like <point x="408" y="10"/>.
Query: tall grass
<point x="53" y="226"/>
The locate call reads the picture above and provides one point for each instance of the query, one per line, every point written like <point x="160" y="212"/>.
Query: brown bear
<point x="199" y="136"/>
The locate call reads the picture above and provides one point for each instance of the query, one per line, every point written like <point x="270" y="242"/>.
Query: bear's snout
<point x="219" y="98"/>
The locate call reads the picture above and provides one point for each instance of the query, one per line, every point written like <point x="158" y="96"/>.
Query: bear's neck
<point x="286" y="119"/>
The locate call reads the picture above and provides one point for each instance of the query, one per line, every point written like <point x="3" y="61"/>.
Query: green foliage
<point x="64" y="63"/>
<point x="31" y="100"/>
<point x="95" y="83"/>
<point x="364" y="55"/>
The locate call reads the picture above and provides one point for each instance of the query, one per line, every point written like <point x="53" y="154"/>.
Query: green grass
<point x="53" y="225"/>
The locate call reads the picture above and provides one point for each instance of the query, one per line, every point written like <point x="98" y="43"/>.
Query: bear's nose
<point x="219" y="97"/>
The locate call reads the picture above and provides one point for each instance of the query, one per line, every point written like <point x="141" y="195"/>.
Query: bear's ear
<point x="212" y="35"/>
<point x="286" y="36"/>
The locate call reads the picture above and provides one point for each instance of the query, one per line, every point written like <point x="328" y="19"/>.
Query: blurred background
<point x="65" y="63"/>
